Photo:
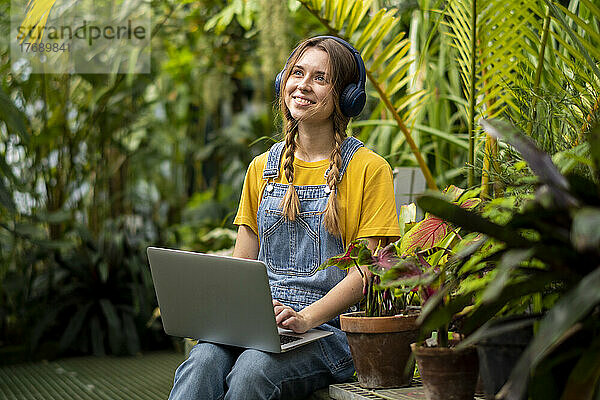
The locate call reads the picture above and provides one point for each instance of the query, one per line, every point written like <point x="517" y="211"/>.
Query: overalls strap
<point x="271" y="170"/>
<point x="349" y="146"/>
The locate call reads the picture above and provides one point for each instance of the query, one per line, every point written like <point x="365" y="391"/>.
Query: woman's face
<point x="309" y="91"/>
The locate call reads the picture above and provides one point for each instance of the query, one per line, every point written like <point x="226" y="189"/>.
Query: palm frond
<point x="493" y="40"/>
<point x="567" y="40"/>
<point x="34" y="23"/>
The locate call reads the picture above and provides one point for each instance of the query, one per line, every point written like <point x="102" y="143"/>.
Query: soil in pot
<point x="447" y="373"/>
<point x="380" y="348"/>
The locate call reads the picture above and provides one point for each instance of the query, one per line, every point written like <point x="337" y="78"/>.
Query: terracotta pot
<point x="447" y="373"/>
<point x="380" y="348"/>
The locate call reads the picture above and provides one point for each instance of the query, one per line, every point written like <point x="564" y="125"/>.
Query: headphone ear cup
<point x="352" y="100"/>
<point x="278" y="82"/>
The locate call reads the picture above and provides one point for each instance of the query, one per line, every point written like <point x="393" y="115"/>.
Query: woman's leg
<point x="202" y="374"/>
<point x="258" y="375"/>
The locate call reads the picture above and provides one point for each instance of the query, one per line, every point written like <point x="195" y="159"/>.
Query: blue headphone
<point x="354" y="96"/>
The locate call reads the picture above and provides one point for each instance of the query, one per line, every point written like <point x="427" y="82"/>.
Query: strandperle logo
<point x="81" y="36"/>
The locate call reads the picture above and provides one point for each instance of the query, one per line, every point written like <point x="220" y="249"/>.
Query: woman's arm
<point x="246" y="244"/>
<point x="347" y="292"/>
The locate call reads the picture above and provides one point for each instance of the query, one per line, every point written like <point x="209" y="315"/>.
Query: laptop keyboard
<point x="285" y="339"/>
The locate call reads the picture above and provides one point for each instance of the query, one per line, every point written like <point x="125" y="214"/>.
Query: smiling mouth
<point x="302" y="101"/>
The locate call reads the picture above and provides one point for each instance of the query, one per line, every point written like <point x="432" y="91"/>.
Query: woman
<point x="341" y="191"/>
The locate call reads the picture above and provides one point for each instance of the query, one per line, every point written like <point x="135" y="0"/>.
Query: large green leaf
<point x="539" y="161"/>
<point x="74" y="327"/>
<point x="509" y="261"/>
<point x="584" y="378"/>
<point x="510" y="292"/>
<point x="556" y="326"/>
<point x="424" y="235"/>
<point x="493" y="329"/>
<point x="115" y="335"/>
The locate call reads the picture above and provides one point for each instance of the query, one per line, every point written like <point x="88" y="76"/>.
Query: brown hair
<point x="343" y="70"/>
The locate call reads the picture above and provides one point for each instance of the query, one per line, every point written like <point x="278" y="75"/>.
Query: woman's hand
<point x="287" y="318"/>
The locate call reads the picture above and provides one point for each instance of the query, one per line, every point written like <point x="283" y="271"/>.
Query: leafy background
<point x="94" y="168"/>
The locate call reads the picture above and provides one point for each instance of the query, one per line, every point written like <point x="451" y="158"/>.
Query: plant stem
<point x="471" y="170"/>
<point x="539" y="69"/>
<point x="442" y="336"/>
<point x="407" y="136"/>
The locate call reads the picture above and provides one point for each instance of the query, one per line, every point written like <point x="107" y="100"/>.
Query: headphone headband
<point x="353" y="96"/>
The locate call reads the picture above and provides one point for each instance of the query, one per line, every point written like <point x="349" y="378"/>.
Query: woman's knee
<point x="208" y="354"/>
<point x="252" y="365"/>
<point x="254" y="376"/>
<point x="260" y="375"/>
<point x="202" y="374"/>
<point x="206" y="360"/>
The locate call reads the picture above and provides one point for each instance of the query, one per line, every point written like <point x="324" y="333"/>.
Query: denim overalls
<point x="292" y="251"/>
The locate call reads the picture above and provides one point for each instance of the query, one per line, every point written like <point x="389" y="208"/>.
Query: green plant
<point x="101" y="293"/>
<point x="424" y="258"/>
<point x="377" y="302"/>
<point x="411" y="264"/>
<point x="549" y="251"/>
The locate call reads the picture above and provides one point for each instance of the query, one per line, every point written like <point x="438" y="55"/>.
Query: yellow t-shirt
<point x="366" y="204"/>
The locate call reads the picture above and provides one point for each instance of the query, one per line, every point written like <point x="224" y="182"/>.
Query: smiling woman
<point x="302" y="202"/>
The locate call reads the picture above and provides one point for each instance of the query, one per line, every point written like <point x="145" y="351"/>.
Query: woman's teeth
<point x="303" y="101"/>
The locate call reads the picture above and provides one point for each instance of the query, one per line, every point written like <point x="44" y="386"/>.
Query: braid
<point x="331" y="218"/>
<point x="291" y="202"/>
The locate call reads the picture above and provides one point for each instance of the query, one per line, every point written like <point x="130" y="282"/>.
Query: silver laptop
<point x="221" y="300"/>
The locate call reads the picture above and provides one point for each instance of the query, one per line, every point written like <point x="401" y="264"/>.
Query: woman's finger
<point x="285" y="314"/>
<point x="289" y="323"/>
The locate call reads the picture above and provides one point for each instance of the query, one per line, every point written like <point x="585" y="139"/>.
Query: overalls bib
<point x="293" y="250"/>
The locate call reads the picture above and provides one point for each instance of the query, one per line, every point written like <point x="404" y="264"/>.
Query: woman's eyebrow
<point x="299" y="66"/>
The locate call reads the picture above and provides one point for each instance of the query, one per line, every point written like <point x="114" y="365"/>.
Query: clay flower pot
<point x="447" y="373"/>
<point x="380" y="348"/>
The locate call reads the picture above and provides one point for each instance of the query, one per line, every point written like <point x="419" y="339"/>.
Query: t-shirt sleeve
<point x="249" y="200"/>
<point x="378" y="209"/>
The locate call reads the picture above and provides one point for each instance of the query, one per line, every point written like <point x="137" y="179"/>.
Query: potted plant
<point x="380" y="335"/>
<point x="549" y="249"/>
<point x="426" y="265"/>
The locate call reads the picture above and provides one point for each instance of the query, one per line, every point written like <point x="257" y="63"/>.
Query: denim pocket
<point x="291" y="248"/>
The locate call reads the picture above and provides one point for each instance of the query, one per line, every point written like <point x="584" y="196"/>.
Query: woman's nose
<point x="304" y="84"/>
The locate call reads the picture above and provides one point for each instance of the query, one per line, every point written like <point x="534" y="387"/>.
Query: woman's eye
<point x="297" y="72"/>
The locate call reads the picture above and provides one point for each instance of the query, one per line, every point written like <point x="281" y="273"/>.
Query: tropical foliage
<point x="549" y="249"/>
<point x="96" y="167"/>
